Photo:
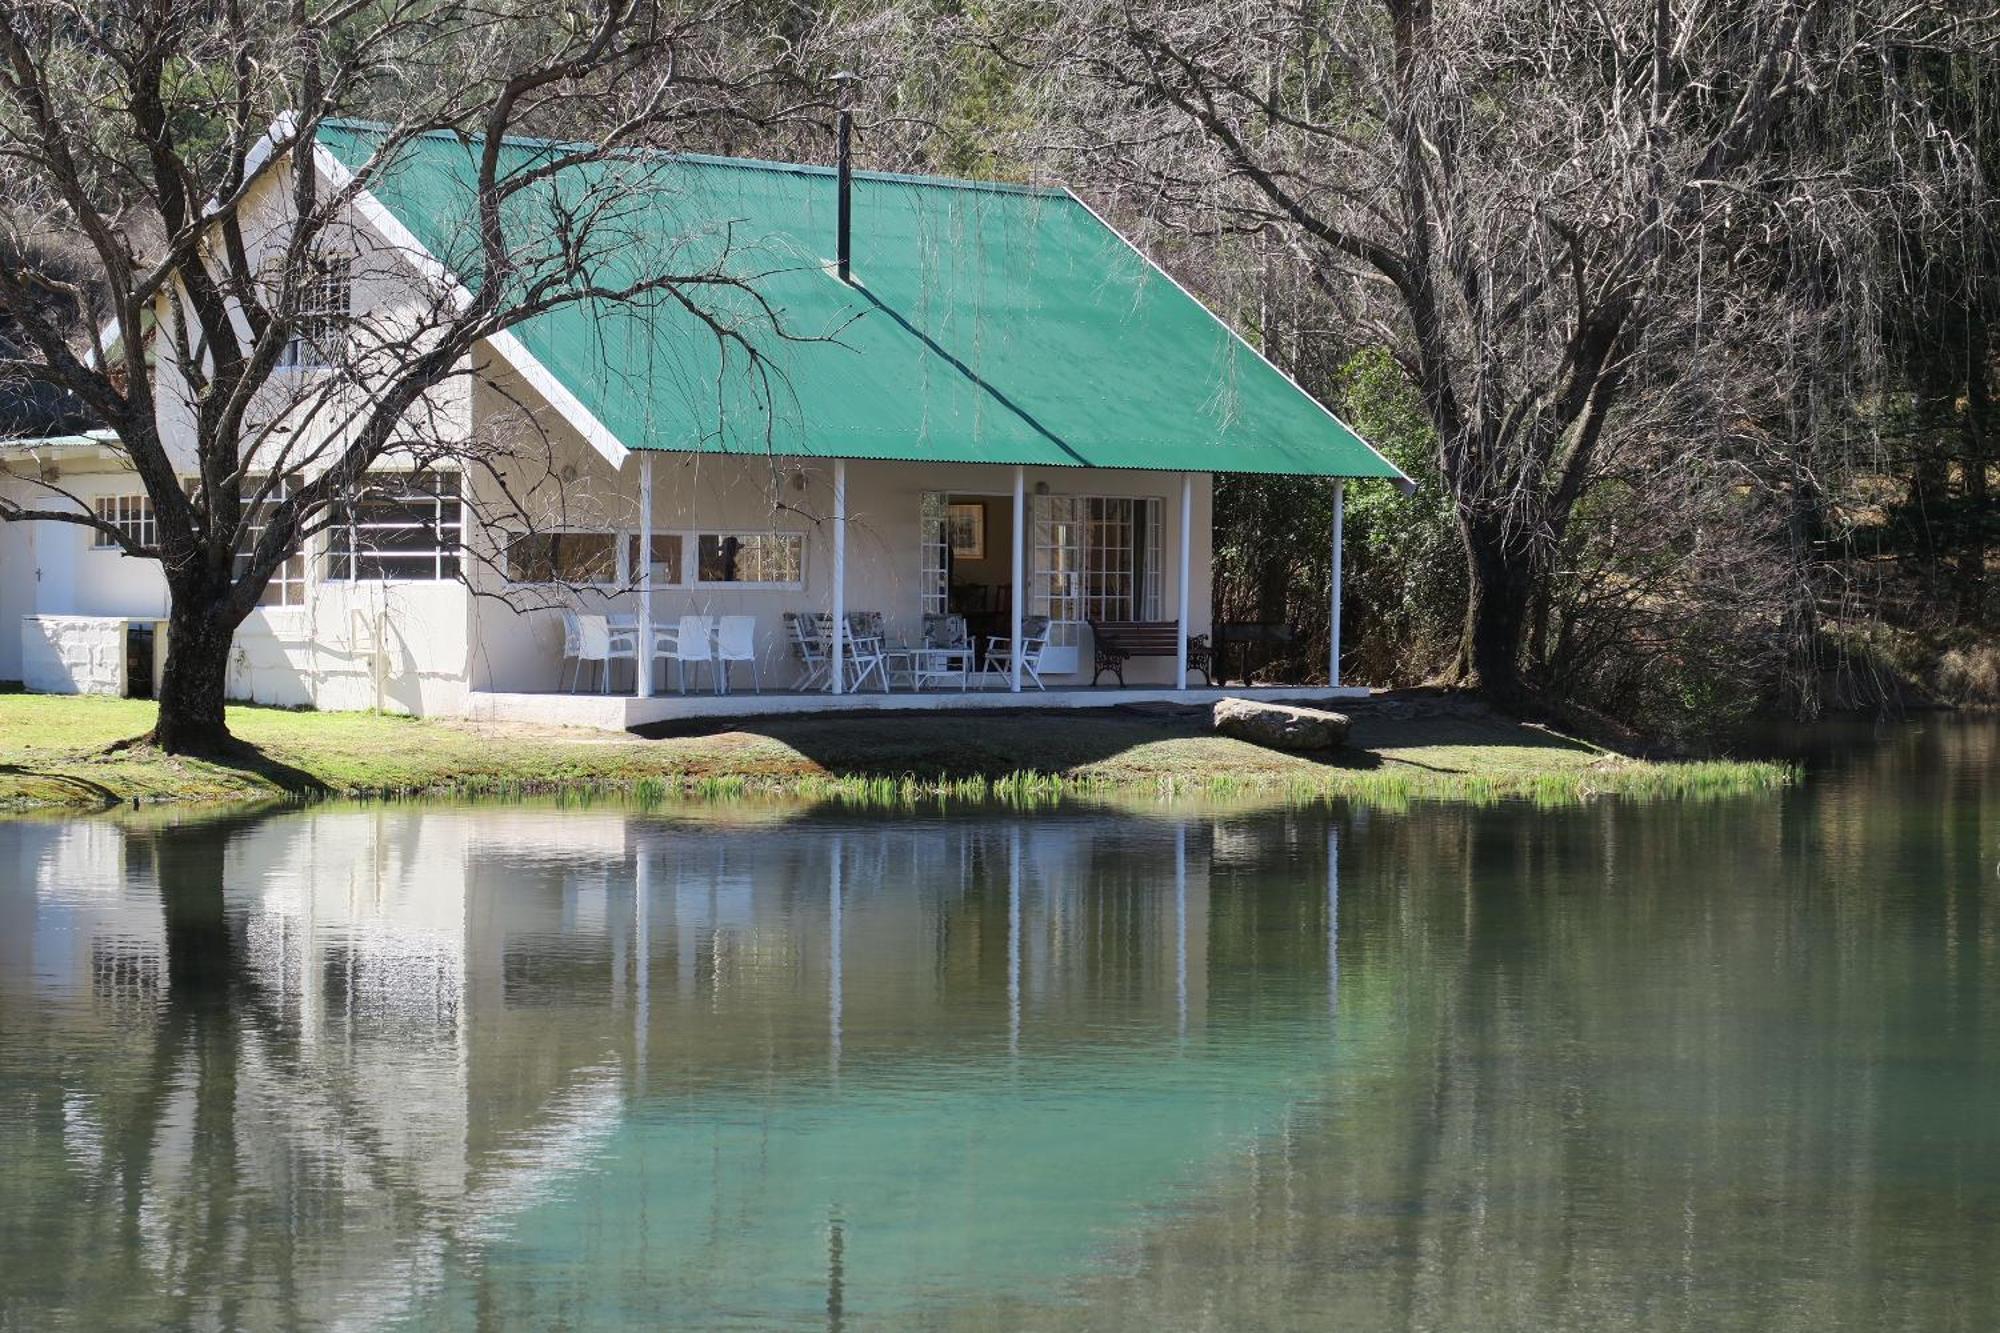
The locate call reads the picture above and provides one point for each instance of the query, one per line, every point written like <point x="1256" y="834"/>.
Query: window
<point x="401" y="526"/>
<point x="287" y="585"/>
<point x="750" y="557"/>
<point x="325" y="295"/>
<point x="130" y="514"/>
<point x="666" y="557"/>
<point x="563" y="557"/>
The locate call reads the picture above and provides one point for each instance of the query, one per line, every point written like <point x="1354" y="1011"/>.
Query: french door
<point x="933" y="556"/>
<point x="1090" y="557"/>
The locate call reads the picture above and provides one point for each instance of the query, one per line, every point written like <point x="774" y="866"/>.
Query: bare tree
<point x="1508" y="197"/>
<point x="166" y="137"/>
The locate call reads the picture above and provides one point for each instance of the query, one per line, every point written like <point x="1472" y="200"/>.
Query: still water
<point x="1677" y="1065"/>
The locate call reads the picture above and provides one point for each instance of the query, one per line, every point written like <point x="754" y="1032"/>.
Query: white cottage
<point x="970" y="464"/>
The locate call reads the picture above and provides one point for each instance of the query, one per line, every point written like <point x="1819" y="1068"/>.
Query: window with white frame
<point x="132" y="515"/>
<point x="667" y="549"/>
<point x="287" y="585"/>
<point x="564" y="557"/>
<point x="325" y="300"/>
<point x="767" y="558"/>
<point x="402" y="526"/>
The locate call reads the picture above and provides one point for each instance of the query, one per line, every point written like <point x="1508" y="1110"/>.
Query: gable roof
<point x="985" y="324"/>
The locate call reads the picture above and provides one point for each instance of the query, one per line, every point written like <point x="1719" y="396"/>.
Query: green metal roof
<point x="986" y="323"/>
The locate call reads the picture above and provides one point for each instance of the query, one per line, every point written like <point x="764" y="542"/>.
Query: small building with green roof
<point x="965" y="461"/>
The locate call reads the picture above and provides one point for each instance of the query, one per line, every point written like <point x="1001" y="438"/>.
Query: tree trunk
<point x="1971" y="565"/>
<point x="191" y="717"/>
<point x="1500" y="585"/>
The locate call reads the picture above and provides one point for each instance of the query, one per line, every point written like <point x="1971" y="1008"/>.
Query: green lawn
<point x="55" y="752"/>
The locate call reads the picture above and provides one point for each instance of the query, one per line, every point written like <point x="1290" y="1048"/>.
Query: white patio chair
<point x="810" y="649"/>
<point x="666" y="648"/>
<point x="736" y="641"/>
<point x="591" y="639"/>
<point x="944" y="631"/>
<point x="946" y="653"/>
<point x="865" y="653"/>
<point x="692" y="644"/>
<point x="1000" y="654"/>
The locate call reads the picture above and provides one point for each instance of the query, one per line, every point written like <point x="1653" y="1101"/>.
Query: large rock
<point x="1280" y="726"/>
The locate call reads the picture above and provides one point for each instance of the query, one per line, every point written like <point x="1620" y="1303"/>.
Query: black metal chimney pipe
<point x="843" y="251"/>
<point x="844" y="219"/>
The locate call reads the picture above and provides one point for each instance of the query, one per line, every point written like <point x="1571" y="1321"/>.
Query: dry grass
<point x="1970" y="677"/>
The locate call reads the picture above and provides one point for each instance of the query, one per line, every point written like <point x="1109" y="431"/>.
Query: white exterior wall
<point x="395" y="646"/>
<point x="50" y="573"/>
<point x="401" y="647"/>
<point x="17" y="587"/>
<point x="292" y="423"/>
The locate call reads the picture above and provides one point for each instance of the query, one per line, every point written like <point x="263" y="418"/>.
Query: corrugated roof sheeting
<point x="985" y="324"/>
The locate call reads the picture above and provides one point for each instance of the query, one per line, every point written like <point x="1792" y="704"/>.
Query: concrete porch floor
<point x="616" y="712"/>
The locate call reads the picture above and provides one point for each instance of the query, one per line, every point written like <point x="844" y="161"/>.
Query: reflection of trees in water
<point x="1661" y="1067"/>
<point x="222" y="1142"/>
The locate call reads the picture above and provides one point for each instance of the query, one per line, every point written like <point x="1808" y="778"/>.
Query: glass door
<point x="933" y="556"/>
<point x="1055" y="579"/>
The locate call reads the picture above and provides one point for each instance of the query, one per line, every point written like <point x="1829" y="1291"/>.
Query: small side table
<point x="934" y="664"/>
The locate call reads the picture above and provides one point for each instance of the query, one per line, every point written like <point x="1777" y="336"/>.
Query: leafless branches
<point x="1533" y="206"/>
<point x="164" y="137"/>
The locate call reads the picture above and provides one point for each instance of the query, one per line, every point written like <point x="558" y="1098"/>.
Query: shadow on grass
<point x="245" y="759"/>
<point x="988" y="743"/>
<point x="96" y="791"/>
<point x="1468" y="730"/>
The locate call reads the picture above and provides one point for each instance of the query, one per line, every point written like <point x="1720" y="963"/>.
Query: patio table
<point x="934" y="664"/>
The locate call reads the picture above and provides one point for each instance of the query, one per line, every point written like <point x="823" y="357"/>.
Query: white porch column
<point x="1187" y="541"/>
<point x="1333" y="650"/>
<point x="1020" y="571"/>
<point x="839" y="574"/>
<point x="644" y="670"/>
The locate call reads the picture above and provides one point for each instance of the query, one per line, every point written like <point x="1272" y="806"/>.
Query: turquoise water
<point x="1623" y="1066"/>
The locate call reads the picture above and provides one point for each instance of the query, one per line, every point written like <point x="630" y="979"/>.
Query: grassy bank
<point x="55" y="752"/>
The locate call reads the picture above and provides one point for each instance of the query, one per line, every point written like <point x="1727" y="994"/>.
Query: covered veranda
<point x="1046" y="649"/>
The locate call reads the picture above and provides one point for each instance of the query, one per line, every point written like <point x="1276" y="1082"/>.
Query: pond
<point x="1684" y="1064"/>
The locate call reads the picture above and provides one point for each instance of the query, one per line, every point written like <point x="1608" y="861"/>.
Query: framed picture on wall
<point x="965" y="524"/>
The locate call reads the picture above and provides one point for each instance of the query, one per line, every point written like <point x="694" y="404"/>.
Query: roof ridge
<point x="738" y="163"/>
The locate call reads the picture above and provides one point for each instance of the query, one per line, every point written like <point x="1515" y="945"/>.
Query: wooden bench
<point x="1117" y="640"/>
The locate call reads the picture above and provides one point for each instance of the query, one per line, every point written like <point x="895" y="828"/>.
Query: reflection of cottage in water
<point x="441" y="1019"/>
